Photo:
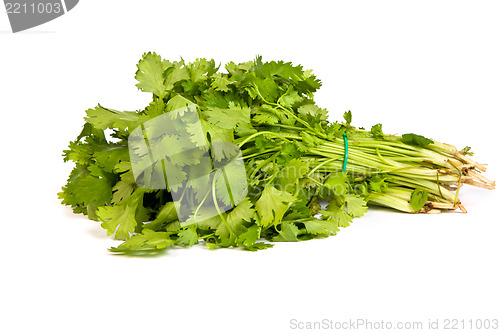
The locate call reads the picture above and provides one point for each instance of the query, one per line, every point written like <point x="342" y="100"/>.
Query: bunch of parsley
<point x="305" y="177"/>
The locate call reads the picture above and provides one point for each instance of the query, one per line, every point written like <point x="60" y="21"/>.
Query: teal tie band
<point x="346" y="149"/>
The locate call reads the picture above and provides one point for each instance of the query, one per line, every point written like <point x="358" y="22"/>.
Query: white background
<point x="430" y="67"/>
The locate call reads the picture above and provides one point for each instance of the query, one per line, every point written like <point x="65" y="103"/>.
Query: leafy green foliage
<point x="377" y="183"/>
<point x="272" y="205"/>
<point x="348" y="117"/>
<point x="416" y="140"/>
<point x="122" y="217"/>
<point x="355" y="205"/>
<point x="376" y="131"/>
<point x="228" y="118"/>
<point x="418" y="199"/>
<point x="146" y="241"/>
<point x="292" y="156"/>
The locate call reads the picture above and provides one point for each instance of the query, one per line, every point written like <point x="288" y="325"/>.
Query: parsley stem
<point x="290" y="127"/>
<point x="261" y="165"/>
<point x="289" y="113"/>
<point x="315" y="181"/>
<point x="201" y="204"/>
<point x="247" y="156"/>
<point x="223" y="218"/>
<point x="276" y="135"/>
<point x="320" y="165"/>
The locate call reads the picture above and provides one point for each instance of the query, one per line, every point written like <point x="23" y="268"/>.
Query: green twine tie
<point x="346" y="146"/>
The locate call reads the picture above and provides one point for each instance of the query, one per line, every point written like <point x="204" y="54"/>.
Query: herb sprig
<point x="293" y="187"/>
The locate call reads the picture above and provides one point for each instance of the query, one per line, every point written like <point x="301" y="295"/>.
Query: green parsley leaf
<point x="355" y="205"/>
<point x="188" y="236"/>
<point x="313" y="110"/>
<point x="418" y="199"/>
<point x="416" y="140"/>
<point x="377" y="131"/>
<point x="348" y="117"/>
<point x="121" y="218"/>
<point x="321" y="227"/>
<point x="150" y="74"/>
<point x="258" y="246"/>
<point x="103" y="118"/>
<point x="145" y="241"/>
<point x="228" y="118"/>
<point x="272" y="205"/>
<point x="249" y="237"/>
<point x="288" y="233"/>
<point x="289" y="176"/>
<point x="221" y="82"/>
